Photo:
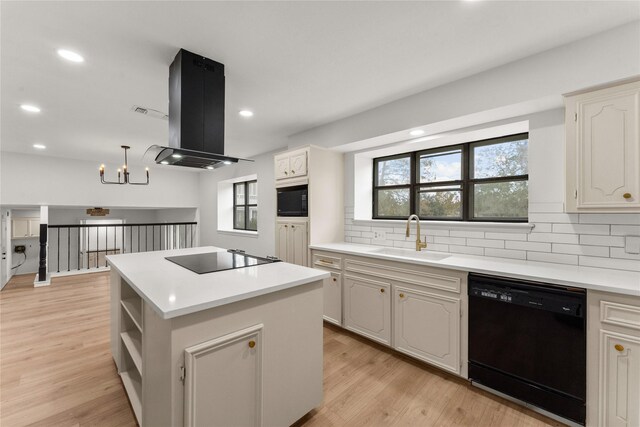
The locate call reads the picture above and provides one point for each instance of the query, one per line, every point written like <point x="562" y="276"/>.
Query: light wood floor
<point x="56" y="370"/>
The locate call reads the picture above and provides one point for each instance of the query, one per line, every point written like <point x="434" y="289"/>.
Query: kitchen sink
<point x="409" y="253"/>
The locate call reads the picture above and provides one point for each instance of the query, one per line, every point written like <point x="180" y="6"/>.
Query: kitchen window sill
<point x="243" y="233"/>
<point x="521" y="227"/>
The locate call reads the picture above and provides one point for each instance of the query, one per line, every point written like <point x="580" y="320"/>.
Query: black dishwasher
<point x="528" y="340"/>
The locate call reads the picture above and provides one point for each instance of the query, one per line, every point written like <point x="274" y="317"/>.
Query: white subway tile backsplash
<point x="361" y="240"/>
<point x="553" y="217"/>
<point x="620" y="253"/>
<point x="528" y="246"/>
<point x="553" y="258"/>
<point x="581" y="228"/>
<point x="602" y="240"/>
<point x="505" y="253"/>
<point x="542" y="227"/>
<point x="616" y="263"/>
<point x="468" y="250"/>
<point x="620" y="219"/>
<point x="625" y="230"/>
<point x="553" y="238"/>
<point x="485" y="243"/>
<point x="600" y="251"/>
<point x="450" y="240"/>
<point x="595" y="240"/>
<point x="463" y="233"/>
<point x="506" y="236"/>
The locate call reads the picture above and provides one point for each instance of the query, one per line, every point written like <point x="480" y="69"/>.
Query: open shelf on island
<point x="133" y="307"/>
<point x="133" y="343"/>
<point x="133" y="385"/>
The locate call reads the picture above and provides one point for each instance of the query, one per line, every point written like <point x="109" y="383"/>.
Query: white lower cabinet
<point x="620" y="380"/>
<point x="427" y="326"/>
<point x="332" y="288"/>
<point x="367" y="308"/>
<point x="613" y="360"/>
<point x="223" y="380"/>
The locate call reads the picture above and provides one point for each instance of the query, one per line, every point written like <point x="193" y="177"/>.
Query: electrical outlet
<point x="379" y="236"/>
<point x="632" y="244"/>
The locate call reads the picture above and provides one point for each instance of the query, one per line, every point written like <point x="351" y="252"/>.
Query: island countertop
<point x="175" y="291"/>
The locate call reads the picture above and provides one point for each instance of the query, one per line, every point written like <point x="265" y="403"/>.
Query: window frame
<point x="466" y="183"/>
<point x="246" y="205"/>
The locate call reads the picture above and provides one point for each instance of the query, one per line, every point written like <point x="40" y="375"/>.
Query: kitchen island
<point x="235" y="347"/>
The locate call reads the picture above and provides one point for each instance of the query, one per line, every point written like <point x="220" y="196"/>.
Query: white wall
<point x="264" y="242"/>
<point x="595" y="240"/>
<point x="43" y="180"/>
<point x="532" y="84"/>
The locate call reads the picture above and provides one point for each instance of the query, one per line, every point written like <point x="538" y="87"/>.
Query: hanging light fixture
<point x="123" y="176"/>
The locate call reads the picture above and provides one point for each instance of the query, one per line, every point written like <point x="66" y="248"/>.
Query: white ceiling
<point x="296" y="64"/>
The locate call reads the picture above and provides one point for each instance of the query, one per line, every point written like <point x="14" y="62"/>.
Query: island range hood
<point x="196" y="114"/>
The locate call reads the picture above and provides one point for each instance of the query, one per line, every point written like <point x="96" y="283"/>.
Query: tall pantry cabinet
<point x="322" y="171"/>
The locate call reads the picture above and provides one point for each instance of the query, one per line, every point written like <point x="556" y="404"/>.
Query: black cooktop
<point x="211" y="262"/>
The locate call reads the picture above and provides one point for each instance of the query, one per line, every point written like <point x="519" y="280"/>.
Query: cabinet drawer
<point x="327" y="261"/>
<point x="414" y="275"/>
<point x="618" y="314"/>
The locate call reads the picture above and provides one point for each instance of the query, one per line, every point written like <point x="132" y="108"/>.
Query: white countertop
<point x="174" y="291"/>
<point x="600" y="279"/>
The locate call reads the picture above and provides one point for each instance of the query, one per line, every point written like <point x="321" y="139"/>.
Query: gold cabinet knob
<point x="382" y="290"/>
<point x="619" y="347"/>
<point x="627" y="195"/>
<point x="252" y="344"/>
<point x="335" y="280"/>
<point x="293" y="172"/>
<point x="286" y="173"/>
<point x="293" y="226"/>
<point x="285" y="226"/>
<point x="401" y="295"/>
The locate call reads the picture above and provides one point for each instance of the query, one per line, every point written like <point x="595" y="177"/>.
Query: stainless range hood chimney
<point x="196" y="113"/>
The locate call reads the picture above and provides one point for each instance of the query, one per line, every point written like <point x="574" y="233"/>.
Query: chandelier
<point x="123" y="176"/>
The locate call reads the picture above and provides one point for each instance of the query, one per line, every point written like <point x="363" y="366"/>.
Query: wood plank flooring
<point x="56" y="370"/>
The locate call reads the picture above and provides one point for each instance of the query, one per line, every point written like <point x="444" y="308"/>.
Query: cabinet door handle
<point x="293" y="226"/>
<point x="335" y="280"/>
<point x="619" y="347"/>
<point x="286" y="173"/>
<point x="285" y="226"/>
<point x="382" y="290"/>
<point x="627" y="195"/>
<point x="293" y="172"/>
<point x="252" y="344"/>
<point x="401" y="295"/>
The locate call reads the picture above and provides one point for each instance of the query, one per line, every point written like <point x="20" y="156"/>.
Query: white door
<point x="427" y="326"/>
<point x="282" y="166"/>
<point x="34" y="227"/>
<point x="332" y="289"/>
<point x="608" y="149"/>
<point x="282" y="239"/>
<point x="620" y="374"/>
<point x="20" y="227"/>
<point x="223" y="380"/>
<point x="4" y="273"/>
<point x="367" y="308"/>
<point x="298" y="163"/>
<point x="298" y="245"/>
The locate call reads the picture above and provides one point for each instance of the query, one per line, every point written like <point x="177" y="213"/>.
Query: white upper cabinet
<point x="292" y="164"/>
<point x="603" y="150"/>
<point x="25" y="227"/>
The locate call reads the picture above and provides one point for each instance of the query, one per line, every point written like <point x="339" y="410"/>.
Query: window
<point x="478" y="181"/>
<point x="245" y="205"/>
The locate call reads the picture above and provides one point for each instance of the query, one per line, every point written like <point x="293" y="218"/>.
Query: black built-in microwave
<point x="293" y="201"/>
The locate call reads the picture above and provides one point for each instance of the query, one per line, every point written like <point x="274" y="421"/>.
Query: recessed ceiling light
<point x="246" y="113"/>
<point x="70" y="56"/>
<point x="416" y="132"/>
<point x="209" y="167"/>
<point x="227" y="162"/>
<point x="164" y="162"/>
<point x="30" y="108"/>
<point x="39" y="146"/>
<point x="176" y="156"/>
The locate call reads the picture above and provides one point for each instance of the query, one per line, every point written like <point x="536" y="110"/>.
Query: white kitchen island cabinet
<point x="238" y="347"/>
